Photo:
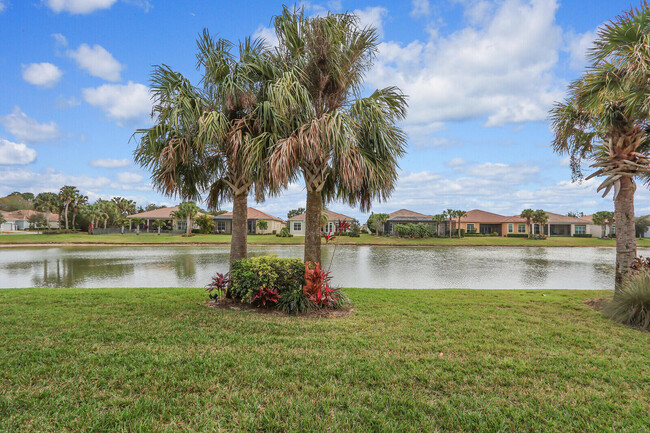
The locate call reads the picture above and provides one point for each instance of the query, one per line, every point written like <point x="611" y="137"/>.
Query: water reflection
<point x="390" y="267"/>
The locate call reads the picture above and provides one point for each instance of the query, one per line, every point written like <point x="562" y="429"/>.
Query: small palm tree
<point x="449" y="214"/>
<point x="379" y="221"/>
<point x="460" y="214"/>
<point x="439" y="219"/>
<point x="540" y="217"/>
<point x="47" y="202"/>
<point x="138" y="221"/>
<point x="528" y="214"/>
<point x="159" y="224"/>
<point x="262" y="225"/>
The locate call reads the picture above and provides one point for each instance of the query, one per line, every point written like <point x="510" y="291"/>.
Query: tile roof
<point x="332" y="216"/>
<point x="481" y="216"/>
<point x="252" y="214"/>
<point x="24" y="214"/>
<point x="556" y="218"/>
<point x="163" y="212"/>
<point x="408" y="215"/>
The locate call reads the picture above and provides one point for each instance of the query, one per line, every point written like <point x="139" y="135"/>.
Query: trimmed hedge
<point x="581" y="235"/>
<point x="247" y="276"/>
<point x="517" y="235"/>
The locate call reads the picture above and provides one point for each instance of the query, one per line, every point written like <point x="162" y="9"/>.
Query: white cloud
<point x="64" y="103"/>
<point x="123" y="103"/>
<point x="456" y="162"/>
<point x="60" y="40"/>
<point x="420" y="8"/>
<point x="126" y="177"/>
<point x="26" y="129"/>
<point x="372" y="17"/>
<point x="97" y="61"/>
<point x="268" y="34"/>
<point x="49" y="179"/>
<point x="42" y="74"/>
<point x="578" y="46"/>
<point x="15" y="153"/>
<point x="110" y="163"/>
<point x="500" y="69"/>
<point x="78" y="7"/>
<point x="3" y="6"/>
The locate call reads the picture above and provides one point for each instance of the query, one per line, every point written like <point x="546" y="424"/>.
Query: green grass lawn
<point x="364" y="239"/>
<point x="106" y="360"/>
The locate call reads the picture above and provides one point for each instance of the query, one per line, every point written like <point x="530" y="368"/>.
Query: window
<point x="612" y="230"/>
<point x="297" y="227"/>
<point x="510" y="228"/>
<point x="470" y="228"/>
<point x="221" y="226"/>
<point x="521" y="228"/>
<point x="581" y="230"/>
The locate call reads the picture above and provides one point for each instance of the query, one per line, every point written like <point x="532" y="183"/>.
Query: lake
<point x="353" y="266"/>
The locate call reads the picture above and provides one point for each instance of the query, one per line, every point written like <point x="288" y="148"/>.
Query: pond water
<point x="362" y="266"/>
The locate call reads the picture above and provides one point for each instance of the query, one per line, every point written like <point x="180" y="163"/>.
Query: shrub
<point x="295" y="302"/>
<point x="355" y="230"/>
<point x="473" y="234"/>
<point x="317" y="287"/>
<point x="284" y="233"/>
<point x="248" y="276"/>
<point x="578" y="235"/>
<point x="641" y="264"/>
<point x="517" y="235"/>
<point x="266" y="297"/>
<point x="631" y="305"/>
<point x="218" y="287"/>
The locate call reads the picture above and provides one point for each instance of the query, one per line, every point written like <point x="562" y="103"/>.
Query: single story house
<point x="274" y="224"/>
<point x="479" y="221"/>
<point x="165" y="214"/>
<point x="297" y="223"/>
<point x="19" y="219"/>
<point x="405" y="216"/>
<point x="598" y="231"/>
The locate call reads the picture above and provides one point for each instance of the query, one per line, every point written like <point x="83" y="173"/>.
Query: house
<point x="274" y="224"/>
<point x="405" y="216"/>
<point x="165" y="214"/>
<point x="297" y="223"/>
<point x="19" y="219"/>
<point x="479" y="221"/>
<point x="562" y="225"/>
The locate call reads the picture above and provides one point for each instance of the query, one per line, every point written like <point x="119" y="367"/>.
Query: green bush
<point x="473" y="234"/>
<point x="284" y="233"/>
<point x="295" y="302"/>
<point x="250" y="275"/>
<point x="577" y="235"/>
<point x="517" y="235"/>
<point x="355" y="230"/>
<point x="631" y="305"/>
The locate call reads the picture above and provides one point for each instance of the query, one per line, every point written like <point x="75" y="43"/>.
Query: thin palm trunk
<point x="66" y="216"/>
<point x="47" y="219"/>
<point x="459" y="227"/>
<point x="238" y="243"/>
<point x="187" y="223"/>
<point x="313" y="212"/>
<point x="451" y="227"/>
<point x="625" y="240"/>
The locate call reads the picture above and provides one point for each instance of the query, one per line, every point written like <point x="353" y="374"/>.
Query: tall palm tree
<point x="78" y="204"/>
<point x="213" y="140"/>
<point x="528" y="214"/>
<point x="449" y="214"/>
<point x="47" y="202"/>
<point x="605" y="117"/>
<point x="67" y="194"/>
<point x="439" y="219"/>
<point x="459" y="214"/>
<point x="124" y="206"/>
<point x="345" y="147"/>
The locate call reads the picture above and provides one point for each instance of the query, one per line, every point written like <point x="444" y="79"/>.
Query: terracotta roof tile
<point x="331" y="215"/>
<point x="481" y="216"/>
<point x="406" y="215"/>
<point x="24" y="214"/>
<point x="252" y="214"/>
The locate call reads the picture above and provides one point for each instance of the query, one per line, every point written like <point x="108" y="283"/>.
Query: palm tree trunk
<point x="74" y="217"/>
<point x="625" y="240"/>
<point x="47" y="219"/>
<point x="66" y="216"/>
<point x="238" y="242"/>
<point x="312" y="226"/>
<point x="187" y="224"/>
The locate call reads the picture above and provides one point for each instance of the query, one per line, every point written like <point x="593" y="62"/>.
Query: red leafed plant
<point x="343" y="226"/>
<point x="317" y="286"/>
<point x="266" y="297"/>
<point x="329" y="236"/>
<point x="219" y="285"/>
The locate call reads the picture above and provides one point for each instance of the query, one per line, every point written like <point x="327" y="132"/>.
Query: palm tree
<point x="610" y="219"/>
<point x="67" y="194"/>
<point x="78" y="204"/>
<point x="138" y="221"/>
<point x="540" y="217"/>
<point x="108" y="211"/>
<point x="262" y="225"/>
<point x="187" y="210"/>
<point x="449" y="214"/>
<point x="460" y="214"/>
<point x="344" y="147"/>
<point x="439" y="219"/>
<point x="159" y="224"/>
<point x="605" y="117"/>
<point x="124" y="206"/>
<point x="379" y="221"/>
<point x="641" y="226"/>
<point x="47" y="202"/>
<point x="213" y="139"/>
<point x="528" y="214"/>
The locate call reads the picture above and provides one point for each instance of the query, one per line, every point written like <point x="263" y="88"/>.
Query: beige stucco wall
<point x="272" y="225"/>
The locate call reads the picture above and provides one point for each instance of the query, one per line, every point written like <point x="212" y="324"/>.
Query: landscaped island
<point x="160" y="359"/>
<point x="364" y="239"/>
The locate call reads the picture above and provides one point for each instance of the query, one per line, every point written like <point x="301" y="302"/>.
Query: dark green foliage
<point x="248" y="276"/>
<point x="631" y="305"/>
<point x="522" y="235"/>
<point x="582" y="235"/>
<point x="284" y="233"/>
<point x="295" y="302"/>
<point x="355" y="230"/>
<point x="15" y="201"/>
<point x="415" y="230"/>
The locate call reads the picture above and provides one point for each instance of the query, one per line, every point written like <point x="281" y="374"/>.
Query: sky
<point x="480" y="75"/>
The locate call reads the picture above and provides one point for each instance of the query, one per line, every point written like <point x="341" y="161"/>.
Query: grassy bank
<point x="448" y="360"/>
<point x="365" y="239"/>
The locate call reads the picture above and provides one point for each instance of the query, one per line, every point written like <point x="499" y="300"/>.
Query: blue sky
<point x="481" y="76"/>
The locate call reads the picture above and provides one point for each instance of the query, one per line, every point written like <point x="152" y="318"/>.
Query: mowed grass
<point x="364" y="239"/>
<point x="106" y="360"/>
